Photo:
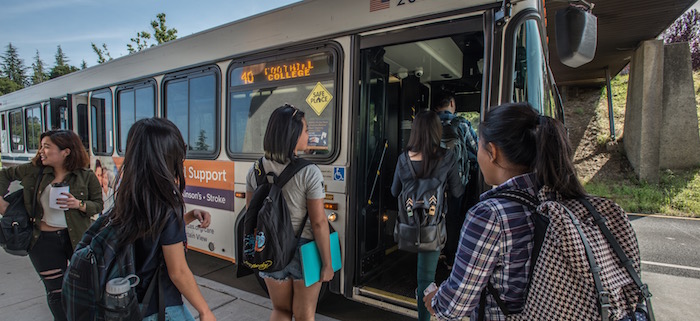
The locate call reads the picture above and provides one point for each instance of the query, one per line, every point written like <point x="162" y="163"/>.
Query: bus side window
<point x="102" y="130"/>
<point x="192" y="103"/>
<point x="133" y="104"/>
<point x="33" y="122"/>
<point x="530" y="72"/>
<point x="16" y="132"/>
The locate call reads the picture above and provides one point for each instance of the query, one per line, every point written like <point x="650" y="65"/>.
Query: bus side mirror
<point x="576" y="32"/>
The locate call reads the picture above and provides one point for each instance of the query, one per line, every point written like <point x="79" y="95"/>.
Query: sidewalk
<point x="22" y="296"/>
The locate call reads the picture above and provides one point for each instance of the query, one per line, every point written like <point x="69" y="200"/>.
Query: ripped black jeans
<point x="50" y="257"/>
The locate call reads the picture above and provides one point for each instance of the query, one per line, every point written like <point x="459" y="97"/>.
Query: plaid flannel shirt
<point x="495" y="246"/>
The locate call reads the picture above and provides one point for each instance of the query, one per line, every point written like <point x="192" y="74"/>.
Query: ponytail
<point x="554" y="165"/>
<point x="539" y="143"/>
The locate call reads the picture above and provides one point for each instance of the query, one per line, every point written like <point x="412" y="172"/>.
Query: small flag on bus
<point x="375" y="5"/>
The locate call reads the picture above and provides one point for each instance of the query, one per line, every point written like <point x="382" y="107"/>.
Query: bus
<point x="360" y="70"/>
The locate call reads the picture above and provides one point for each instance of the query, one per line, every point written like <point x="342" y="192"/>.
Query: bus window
<point x="16" y="131"/>
<point x="307" y="82"/>
<point x="33" y="122"/>
<point x="192" y="103"/>
<point x="530" y="82"/>
<point x="102" y="130"/>
<point x="133" y="104"/>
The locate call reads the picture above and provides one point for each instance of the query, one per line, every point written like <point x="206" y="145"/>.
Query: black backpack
<point x="269" y="241"/>
<point x="454" y="138"/>
<point x="17" y="224"/>
<point x="97" y="259"/>
<point x="420" y="225"/>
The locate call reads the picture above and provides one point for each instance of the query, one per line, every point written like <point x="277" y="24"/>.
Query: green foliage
<point x="161" y="33"/>
<point x="12" y="67"/>
<point x="61" y="66"/>
<point x="101" y="53"/>
<point x="7" y="86"/>
<point x="678" y="194"/>
<point x="39" y="74"/>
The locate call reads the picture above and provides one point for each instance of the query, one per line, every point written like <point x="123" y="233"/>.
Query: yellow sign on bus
<point x="319" y="98"/>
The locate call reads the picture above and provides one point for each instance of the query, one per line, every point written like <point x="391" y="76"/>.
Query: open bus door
<point x="60" y="114"/>
<point x="402" y="73"/>
<point x="372" y="137"/>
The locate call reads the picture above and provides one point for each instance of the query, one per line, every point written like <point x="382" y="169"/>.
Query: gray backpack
<point x="420" y="225"/>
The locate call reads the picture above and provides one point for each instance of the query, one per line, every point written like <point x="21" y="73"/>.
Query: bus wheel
<point x="321" y="295"/>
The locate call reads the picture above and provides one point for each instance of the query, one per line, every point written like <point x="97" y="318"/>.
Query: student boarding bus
<point x="359" y="70"/>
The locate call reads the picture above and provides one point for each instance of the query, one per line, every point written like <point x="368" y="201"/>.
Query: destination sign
<point x="278" y="70"/>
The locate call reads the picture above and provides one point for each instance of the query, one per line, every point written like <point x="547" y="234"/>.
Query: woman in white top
<point x="57" y="229"/>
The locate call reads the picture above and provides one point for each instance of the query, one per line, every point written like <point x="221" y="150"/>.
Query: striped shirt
<point x="495" y="246"/>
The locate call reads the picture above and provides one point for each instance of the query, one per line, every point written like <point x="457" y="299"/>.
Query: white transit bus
<point x="359" y="70"/>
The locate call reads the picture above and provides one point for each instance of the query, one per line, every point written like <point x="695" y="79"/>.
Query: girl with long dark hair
<point x="57" y="231"/>
<point x="428" y="159"/>
<point x="285" y="136"/>
<point x="149" y="211"/>
<point x="518" y="150"/>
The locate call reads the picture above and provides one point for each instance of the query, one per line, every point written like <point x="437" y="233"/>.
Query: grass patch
<point x="677" y="194"/>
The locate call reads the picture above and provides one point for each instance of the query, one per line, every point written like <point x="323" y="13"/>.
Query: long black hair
<point x="537" y="142"/>
<point x="426" y="133"/>
<point x="151" y="180"/>
<point x="282" y="133"/>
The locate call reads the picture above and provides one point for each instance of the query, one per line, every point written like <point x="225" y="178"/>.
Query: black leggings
<point x="50" y="257"/>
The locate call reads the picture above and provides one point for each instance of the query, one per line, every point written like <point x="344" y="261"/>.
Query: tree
<point x="83" y="65"/>
<point x="101" y="53"/>
<point x="12" y="67"/>
<point x="161" y="33"/>
<point x="39" y="70"/>
<point x="141" y="42"/>
<point x="61" y="66"/>
<point x="202" y="141"/>
<point x="686" y="29"/>
<point x="7" y="86"/>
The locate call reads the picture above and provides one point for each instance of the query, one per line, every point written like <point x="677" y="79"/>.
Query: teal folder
<point x="311" y="259"/>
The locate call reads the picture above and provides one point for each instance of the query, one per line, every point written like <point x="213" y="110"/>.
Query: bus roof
<point x="311" y="19"/>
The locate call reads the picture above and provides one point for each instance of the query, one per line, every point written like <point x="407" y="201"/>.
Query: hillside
<point x="602" y="166"/>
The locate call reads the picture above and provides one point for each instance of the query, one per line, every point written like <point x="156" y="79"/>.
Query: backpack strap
<point x="603" y="296"/>
<point x="294" y="167"/>
<point x="624" y="260"/>
<point x="260" y="175"/>
<point x="410" y="166"/>
<point x="529" y="201"/>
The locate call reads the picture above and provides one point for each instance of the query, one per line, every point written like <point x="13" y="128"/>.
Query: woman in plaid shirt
<point x="518" y="150"/>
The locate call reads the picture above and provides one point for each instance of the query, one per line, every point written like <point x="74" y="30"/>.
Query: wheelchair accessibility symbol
<point x="339" y="174"/>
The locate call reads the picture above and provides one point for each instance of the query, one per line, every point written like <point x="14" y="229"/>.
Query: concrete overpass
<point x="661" y="121"/>
<point x="622" y="26"/>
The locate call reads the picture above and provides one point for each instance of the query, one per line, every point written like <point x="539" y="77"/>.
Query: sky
<point x="43" y="25"/>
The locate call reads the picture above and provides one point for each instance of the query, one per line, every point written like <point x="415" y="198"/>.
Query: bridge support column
<point x="661" y="124"/>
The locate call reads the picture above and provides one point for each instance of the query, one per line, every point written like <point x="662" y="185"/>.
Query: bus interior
<point x="396" y="81"/>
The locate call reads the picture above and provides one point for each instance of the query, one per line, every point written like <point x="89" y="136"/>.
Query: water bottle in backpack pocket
<point x="120" y="300"/>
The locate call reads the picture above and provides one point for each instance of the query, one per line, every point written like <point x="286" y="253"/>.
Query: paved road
<point x="670" y="250"/>
<point x="669" y="246"/>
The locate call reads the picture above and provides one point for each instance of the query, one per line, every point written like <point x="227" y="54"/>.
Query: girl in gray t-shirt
<point x="286" y="134"/>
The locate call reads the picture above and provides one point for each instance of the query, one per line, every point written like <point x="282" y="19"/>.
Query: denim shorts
<point x="292" y="270"/>
<point x="173" y="313"/>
